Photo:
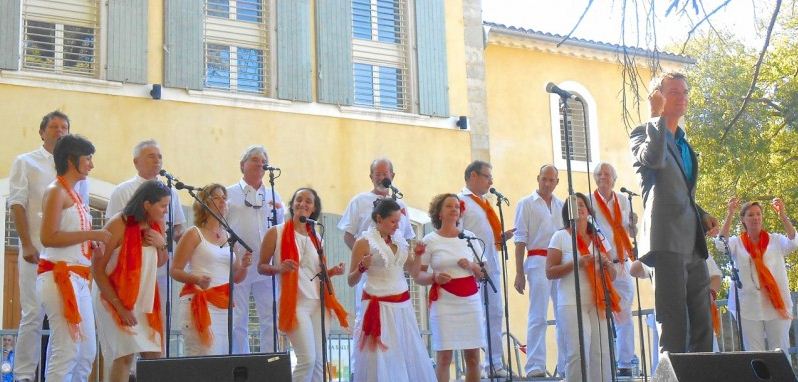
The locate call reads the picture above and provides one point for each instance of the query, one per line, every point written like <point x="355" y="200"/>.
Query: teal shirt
<point x="684" y="150"/>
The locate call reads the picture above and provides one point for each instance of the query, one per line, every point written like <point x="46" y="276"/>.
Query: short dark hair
<point x="673" y="75"/>
<point x="70" y="148"/>
<point x="384" y="207"/>
<point x="316" y="203"/>
<point x="566" y="212"/>
<point x="150" y="191"/>
<point x="477" y="166"/>
<point x="50" y="116"/>
<point x="435" y="207"/>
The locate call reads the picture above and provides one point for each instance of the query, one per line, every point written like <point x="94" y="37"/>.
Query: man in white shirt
<point x="480" y="218"/>
<point x="613" y="216"/>
<point x="537" y="217"/>
<point x="30" y="174"/>
<point x="249" y="214"/>
<point x="357" y="217"/>
<point x="147" y="160"/>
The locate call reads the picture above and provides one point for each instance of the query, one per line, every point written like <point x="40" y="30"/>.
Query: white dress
<point x="213" y="261"/>
<point x="455" y="322"/>
<point x="116" y="342"/>
<point x="404" y="358"/>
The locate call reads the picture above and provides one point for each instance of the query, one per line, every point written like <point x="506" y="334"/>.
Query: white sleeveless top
<point x="308" y="263"/>
<point x="210" y="260"/>
<point x="149" y="273"/>
<point x="70" y="221"/>
<point x="386" y="274"/>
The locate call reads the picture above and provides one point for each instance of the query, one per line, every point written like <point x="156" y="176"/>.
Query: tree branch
<point x="757" y="68"/>
<point x="564" y="39"/>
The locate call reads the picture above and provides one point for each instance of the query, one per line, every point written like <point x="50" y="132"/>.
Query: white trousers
<point x="762" y="335"/>
<point x="262" y="290"/>
<point x="496" y="315"/>
<point x="540" y="290"/>
<point x="597" y="348"/>
<point x="28" y="349"/>
<point x="624" y="324"/>
<point x="68" y="360"/>
<point x="306" y="341"/>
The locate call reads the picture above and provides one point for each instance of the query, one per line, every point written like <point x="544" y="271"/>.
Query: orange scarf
<point x="126" y="277"/>
<point x="493" y="219"/>
<point x="623" y="246"/>
<point x="289" y="282"/>
<point x="595" y="283"/>
<point x="766" y="279"/>
<point x="64" y="285"/>
<point x="372" y="327"/>
<point x="713" y="296"/>
<point x="219" y="296"/>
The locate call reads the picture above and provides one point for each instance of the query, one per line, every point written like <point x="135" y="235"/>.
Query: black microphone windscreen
<point x="386" y="183"/>
<point x="303" y="219"/>
<point x="623" y="189"/>
<point x="162" y="172"/>
<point x="461" y="235"/>
<point x="492" y="190"/>
<point x="550" y="87"/>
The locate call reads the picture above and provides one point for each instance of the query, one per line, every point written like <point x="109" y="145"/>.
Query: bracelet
<point x="362" y="268"/>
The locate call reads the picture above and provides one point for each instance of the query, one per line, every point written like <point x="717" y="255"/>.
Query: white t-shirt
<point x="443" y="253"/>
<point x="125" y="190"/>
<point x="566" y="289"/>
<point x="357" y="216"/>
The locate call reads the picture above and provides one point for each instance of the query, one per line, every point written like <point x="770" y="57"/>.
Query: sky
<point x="603" y="20"/>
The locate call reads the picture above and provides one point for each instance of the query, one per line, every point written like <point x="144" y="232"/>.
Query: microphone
<point x="387" y="184"/>
<point x="266" y="167"/>
<point x="552" y="88"/>
<point x="462" y="235"/>
<point x="183" y="186"/>
<point x="499" y="195"/>
<point x="592" y="221"/>
<point x="303" y="219"/>
<point x="166" y="175"/>
<point x="626" y="191"/>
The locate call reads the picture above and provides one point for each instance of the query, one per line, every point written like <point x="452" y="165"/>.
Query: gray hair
<point x="602" y="164"/>
<point x="252" y="150"/>
<point x="378" y="161"/>
<point x="139" y="147"/>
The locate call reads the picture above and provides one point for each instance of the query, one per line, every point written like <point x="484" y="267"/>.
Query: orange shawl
<point x="126" y="277"/>
<point x="493" y="219"/>
<point x="289" y="282"/>
<point x="766" y="279"/>
<point x="219" y="296"/>
<point x="61" y="271"/>
<point x="595" y="283"/>
<point x="713" y="296"/>
<point x="623" y="246"/>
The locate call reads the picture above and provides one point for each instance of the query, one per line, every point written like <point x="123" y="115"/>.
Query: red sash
<point x="219" y="296"/>
<point x="372" y="328"/>
<point x="61" y="273"/>
<point x="460" y="287"/>
<point x="537" y="252"/>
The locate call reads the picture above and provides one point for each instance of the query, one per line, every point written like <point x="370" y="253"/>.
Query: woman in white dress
<point x="63" y="280"/>
<point x="592" y="249"/>
<point x="202" y="264"/>
<point x="456" y="315"/>
<point x="765" y="302"/>
<point x="388" y="344"/>
<point x="295" y="248"/>
<point x="128" y="308"/>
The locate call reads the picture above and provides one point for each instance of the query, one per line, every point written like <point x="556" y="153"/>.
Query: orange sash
<point x="595" y="283"/>
<point x="289" y="282"/>
<point x="61" y="278"/>
<point x="372" y="328"/>
<point x="219" y="296"/>
<point x="460" y="287"/>
<point x="126" y="277"/>
<point x="623" y="246"/>
<point x="493" y="219"/>
<point x="715" y="313"/>
<point x="766" y="279"/>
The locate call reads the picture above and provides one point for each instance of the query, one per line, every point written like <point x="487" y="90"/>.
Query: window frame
<point x="593" y="128"/>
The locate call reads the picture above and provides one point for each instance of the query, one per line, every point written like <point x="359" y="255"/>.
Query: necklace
<point x="85" y="222"/>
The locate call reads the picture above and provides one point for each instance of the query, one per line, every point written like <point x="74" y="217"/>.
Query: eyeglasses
<point x="488" y="177"/>
<point x="255" y="206"/>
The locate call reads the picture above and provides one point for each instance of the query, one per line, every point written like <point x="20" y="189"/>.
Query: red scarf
<point x="623" y="246"/>
<point x="766" y="279"/>
<point x="289" y="282"/>
<point x="125" y="279"/>
<point x="460" y="287"/>
<point x="595" y="283"/>
<point x="372" y="327"/>
<point x="493" y="219"/>
<point x="713" y="305"/>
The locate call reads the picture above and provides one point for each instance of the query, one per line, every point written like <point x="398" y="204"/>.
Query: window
<point x="380" y="53"/>
<point x="584" y="147"/>
<point x="236" y="46"/>
<point x="61" y="36"/>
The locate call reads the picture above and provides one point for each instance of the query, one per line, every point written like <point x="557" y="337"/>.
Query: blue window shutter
<point x="433" y="88"/>
<point x="334" y="51"/>
<point x="293" y="50"/>
<point x="127" y="41"/>
<point x="184" y="55"/>
<point x="9" y="34"/>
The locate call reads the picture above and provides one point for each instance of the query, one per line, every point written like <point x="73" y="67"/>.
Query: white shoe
<point x="499" y="373"/>
<point x="536" y="374"/>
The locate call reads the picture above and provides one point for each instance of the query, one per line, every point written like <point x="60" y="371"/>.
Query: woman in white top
<point x="296" y="248"/>
<point x="387" y="339"/>
<point x="128" y="308"/>
<point x="202" y="264"/>
<point x="765" y="302"/>
<point x="63" y="280"/>
<point x="456" y="315"/>
<point x="592" y="251"/>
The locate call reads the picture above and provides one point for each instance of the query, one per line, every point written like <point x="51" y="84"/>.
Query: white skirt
<point x="457" y="322"/>
<point x="405" y="358"/>
<point x="116" y="342"/>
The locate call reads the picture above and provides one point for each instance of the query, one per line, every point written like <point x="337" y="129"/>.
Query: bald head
<point x="548" y="178"/>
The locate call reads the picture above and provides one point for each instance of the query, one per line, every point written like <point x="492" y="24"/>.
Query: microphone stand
<point x="639" y="306"/>
<point x="232" y="238"/>
<point x="504" y="284"/>
<point x="324" y="284"/>
<point x="738" y="285"/>
<point x="572" y="218"/>
<point x="485" y="280"/>
<point x="170" y="227"/>
<point x="273" y="222"/>
<point x="607" y="310"/>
